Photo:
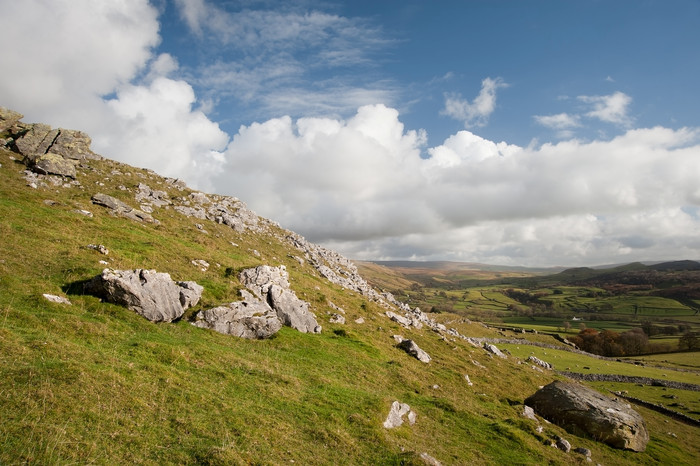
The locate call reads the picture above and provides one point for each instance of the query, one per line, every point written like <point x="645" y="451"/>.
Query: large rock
<point x="581" y="410"/>
<point x="271" y="285"/>
<point x="53" y="164"/>
<point x="414" y="350"/>
<point x="36" y="141"/>
<point x="250" y="318"/>
<point x="153" y="295"/>
<point x="74" y="145"/>
<point x="122" y="208"/>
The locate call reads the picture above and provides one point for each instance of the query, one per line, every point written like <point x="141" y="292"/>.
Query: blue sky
<point x="509" y="132"/>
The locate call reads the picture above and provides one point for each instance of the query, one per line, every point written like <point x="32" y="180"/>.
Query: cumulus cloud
<point x="77" y="51"/>
<point x="559" y="121"/>
<point x="563" y="123"/>
<point x="477" y="112"/>
<point x="362" y="186"/>
<point x="611" y="108"/>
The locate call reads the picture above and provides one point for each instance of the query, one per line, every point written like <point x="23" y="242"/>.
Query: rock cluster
<point x="581" y="410"/>
<point x="226" y="210"/>
<point x="122" y="209"/>
<point x="263" y="312"/>
<point x="153" y="295"/>
<point x="537" y="361"/>
<point x="46" y="151"/>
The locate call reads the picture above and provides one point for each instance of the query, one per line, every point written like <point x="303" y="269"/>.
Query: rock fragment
<point x="396" y="413"/>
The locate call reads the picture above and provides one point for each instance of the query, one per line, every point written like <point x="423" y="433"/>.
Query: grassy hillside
<point x="94" y="383"/>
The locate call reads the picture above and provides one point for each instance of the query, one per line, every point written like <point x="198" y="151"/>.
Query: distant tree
<point x="689" y="341"/>
<point x="634" y="342"/>
<point x="567" y="326"/>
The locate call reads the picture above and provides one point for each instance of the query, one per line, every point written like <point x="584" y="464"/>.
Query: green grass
<point x="94" y="383"/>
<point x="567" y="361"/>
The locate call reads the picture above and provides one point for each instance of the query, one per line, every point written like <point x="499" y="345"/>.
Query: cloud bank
<point x="364" y="184"/>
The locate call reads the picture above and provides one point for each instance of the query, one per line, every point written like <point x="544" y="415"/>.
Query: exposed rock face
<point x="53" y="164"/>
<point x="121" y="208"/>
<point x="46" y="151"/>
<point x="396" y="414"/>
<point x="8" y="118"/>
<point x="581" y="410"/>
<point x="153" y="295"/>
<point x="148" y="196"/>
<point x="271" y="285"/>
<point x="250" y="318"/>
<point x="262" y="313"/>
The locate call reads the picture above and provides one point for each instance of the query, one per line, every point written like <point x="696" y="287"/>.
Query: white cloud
<point x="159" y="122"/>
<point x="357" y="183"/>
<point x="361" y="185"/>
<point x="275" y="58"/>
<point x="477" y="112"/>
<point x="611" y="108"/>
<point x="77" y="50"/>
<point x="559" y="121"/>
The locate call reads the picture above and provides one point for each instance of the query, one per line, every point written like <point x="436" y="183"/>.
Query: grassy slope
<point x="96" y="383"/>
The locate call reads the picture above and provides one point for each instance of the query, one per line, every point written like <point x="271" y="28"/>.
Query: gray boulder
<point x="39" y="139"/>
<point x="250" y="318"/>
<point x="150" y="196"/>
<point x="412" y="348"/>
<point x="153" y="295"/>
<point x="494" y="350"/>
<point x="36" y="141"/>
<point x="52" y="164"/>
<point x="563" y="444"/>
<point x="584" y="411"/>
<point x="271" y="285"/>
<point x="74" y="145"/>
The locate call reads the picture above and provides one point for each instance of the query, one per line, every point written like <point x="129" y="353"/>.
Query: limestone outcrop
<point x="250" y="318"/>
<point x="151" y="294"/>
<point x="46" y="150"/>
<point x="121" y="208"/>
<point x="263" y="312"/>
<point x="582" y="410"/>
<point x="271" y="285"/>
